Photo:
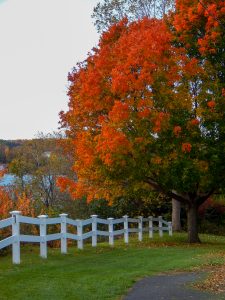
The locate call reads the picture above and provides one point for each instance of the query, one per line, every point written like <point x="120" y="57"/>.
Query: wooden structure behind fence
<point x="149" y="225"/>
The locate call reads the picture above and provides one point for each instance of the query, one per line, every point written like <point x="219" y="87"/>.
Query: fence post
<point x="16" y="233"/>
<point x="126" y="229"/>
<point x="63" y="233"/>
<point x="111" y="236"/>
<point x="160" y="227"/>
<point x="94" y="230"/>
<point x="170" y="228"/>
<point x="43" y="231"/>
<point x="140" y="229"/>
<point x="150" y="227"/>
<point x="80" y="233"/>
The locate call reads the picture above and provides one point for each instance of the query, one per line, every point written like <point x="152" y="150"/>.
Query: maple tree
<point x="108" y="12"/>
<point x="143" y="114"/>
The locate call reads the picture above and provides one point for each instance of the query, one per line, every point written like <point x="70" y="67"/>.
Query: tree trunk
<point x="176" y="205"/>
<point x="192" y="216"/>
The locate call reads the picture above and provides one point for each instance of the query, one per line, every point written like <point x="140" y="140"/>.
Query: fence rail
<point x="151" y="225"/>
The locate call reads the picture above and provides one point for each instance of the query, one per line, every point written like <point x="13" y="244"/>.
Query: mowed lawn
<point x="103" y="272"/>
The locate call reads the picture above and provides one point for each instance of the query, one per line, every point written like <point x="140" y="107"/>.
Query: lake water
<point x="7" y="179"/>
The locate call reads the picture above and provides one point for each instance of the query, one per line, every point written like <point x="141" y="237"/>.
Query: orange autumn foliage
<point x="6" y="204"/>
<point x="22" y="203"/>
<point x="129" y="81"/>
<point x="177" y="130"/>
<point x="211" y="104"/>
<point x="186" y="147"/>
<point x="203" y="18"/>
<point x="194" y="122"/>
<point x="120" y="112"/>
<point x="111" y="141"/>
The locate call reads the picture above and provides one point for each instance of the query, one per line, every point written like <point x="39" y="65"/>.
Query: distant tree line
<point x="7" y="149"/>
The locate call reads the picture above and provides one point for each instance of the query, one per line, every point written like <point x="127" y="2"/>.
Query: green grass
<point x="104" y="272"/>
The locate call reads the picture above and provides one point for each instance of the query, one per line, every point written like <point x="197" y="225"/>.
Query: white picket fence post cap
<point x="15" y="212"/>
<point x="63" y="215"/>
<point x="126" y="216"/>
<point x="43" y="216"/>
<point x="110" y="219"/>
<point x="94" y="216"/>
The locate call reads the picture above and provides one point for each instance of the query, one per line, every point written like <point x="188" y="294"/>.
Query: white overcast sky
<point x="40" y="41"/>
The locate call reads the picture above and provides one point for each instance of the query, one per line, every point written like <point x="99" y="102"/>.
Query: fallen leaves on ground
<point x="215" y="281"/>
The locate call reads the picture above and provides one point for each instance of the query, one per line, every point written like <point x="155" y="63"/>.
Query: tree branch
<point x="204" y="197"/>
<point x="171" y="194"/>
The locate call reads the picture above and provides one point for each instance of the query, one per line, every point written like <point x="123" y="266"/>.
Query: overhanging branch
<point x="171" y="194"/>
<point x="204" y="197"/>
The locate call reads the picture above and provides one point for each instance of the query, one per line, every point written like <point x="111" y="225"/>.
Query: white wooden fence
<point x="151" y="225"/>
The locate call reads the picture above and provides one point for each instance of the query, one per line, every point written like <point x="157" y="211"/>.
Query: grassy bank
<point x="104" y="272"/>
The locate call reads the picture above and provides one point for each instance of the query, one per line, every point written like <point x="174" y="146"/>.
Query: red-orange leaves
<point x="120" y="112"/>
<point x="211" y="104"/>
<point x="137" y="55"/>
<point x="144" y="113"/>
<point x="144" y="108"/>
<point x="177" y="130"/>
<point x="186" y="147"/>
<point x="110" y="142"/>
<point x="160" y="121"/>
<point x="192" y="68"/>
<point x="85" y="148"/>
<point x="194" y="122"/>
<point x="194" y="17"/>
<point x="66" y="184"/>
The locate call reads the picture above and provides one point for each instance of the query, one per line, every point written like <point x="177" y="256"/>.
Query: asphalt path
<point x="170" y="287"/>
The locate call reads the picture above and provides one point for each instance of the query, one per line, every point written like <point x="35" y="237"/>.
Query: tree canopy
<point x="146" y="111"/>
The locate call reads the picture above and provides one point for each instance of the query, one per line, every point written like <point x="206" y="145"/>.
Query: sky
<point x="40" y="42"/>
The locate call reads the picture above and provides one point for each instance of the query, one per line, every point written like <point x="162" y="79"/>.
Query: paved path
<point x="169" y="287"/>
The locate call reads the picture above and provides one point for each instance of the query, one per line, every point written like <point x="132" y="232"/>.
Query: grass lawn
<point x="103" y="272"/>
